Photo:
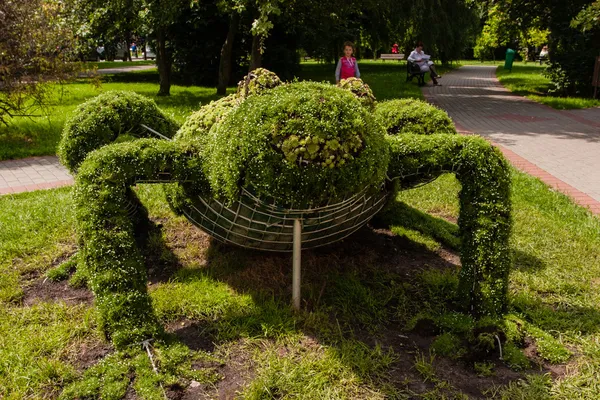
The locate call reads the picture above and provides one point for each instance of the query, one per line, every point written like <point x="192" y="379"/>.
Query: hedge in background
<point x="101" y="120"/>
<point x="413" y="116"/>
<point x="485" y="208"/>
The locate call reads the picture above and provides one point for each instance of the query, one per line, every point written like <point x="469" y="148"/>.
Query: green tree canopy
<point x="35" y="43"/>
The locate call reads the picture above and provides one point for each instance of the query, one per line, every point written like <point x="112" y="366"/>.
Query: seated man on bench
<point x="424" y="62"/>
<point x="543" y="55"/>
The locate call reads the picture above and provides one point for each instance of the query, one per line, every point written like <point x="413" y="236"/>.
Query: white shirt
<point x="415" y="55"/>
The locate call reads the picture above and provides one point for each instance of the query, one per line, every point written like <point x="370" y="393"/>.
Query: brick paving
<point x="562" y="148"/>
<point x="33" y="173"/>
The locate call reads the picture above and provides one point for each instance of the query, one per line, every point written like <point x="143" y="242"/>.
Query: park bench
<point x="542" y="59"/>
<point x="413" y="70"/>
<point x="392" y="57"/>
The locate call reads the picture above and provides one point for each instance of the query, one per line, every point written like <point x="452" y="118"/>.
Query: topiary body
<point x="249" y="167"/>
<point x="99" y="121"/>
<point x="302" y="143"/>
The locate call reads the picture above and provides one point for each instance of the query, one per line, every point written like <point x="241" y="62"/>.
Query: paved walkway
<point x="560" y="147"/>
<point x="31" y="174"/>
<point x="119" y="70"/>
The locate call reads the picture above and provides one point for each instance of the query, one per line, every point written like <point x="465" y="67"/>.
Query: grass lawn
<point x="26" y="137"/>
<point x="378" y="322"/>
<point x="528" y="80"/>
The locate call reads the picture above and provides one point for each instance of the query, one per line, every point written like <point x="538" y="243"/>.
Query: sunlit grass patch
<point x="528" y="80"/>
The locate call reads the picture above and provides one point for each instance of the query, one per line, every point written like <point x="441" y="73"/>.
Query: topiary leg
<point x="99" y="122"/>
<point x="485" y="208"/>
<point x="107" y="228"/>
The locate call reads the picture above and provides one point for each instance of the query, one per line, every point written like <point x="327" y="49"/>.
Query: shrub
<point x="298" y="144"/>
<point x="448" y="345"/>
<point x="99" y="121"/>
<point x="360" y="90"/>
<point x="256" y="82"/>
<point x="200" y="122"/>
<point x="403" y="116"/>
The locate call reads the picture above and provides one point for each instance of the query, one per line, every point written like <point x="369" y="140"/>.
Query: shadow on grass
<point x="365" y="289"/>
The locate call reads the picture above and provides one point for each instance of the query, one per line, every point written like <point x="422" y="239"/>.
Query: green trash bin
<point x="510" y="56"/>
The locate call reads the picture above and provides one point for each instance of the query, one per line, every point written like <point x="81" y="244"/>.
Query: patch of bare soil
<point x="185" y="244"/>
<point x="460" y="374"/>
<point x="236" y="370"/>
<point x="365" y="251"/>
<point x="87" y="354"/>
<point x="45" y="290"/>
<point x="192" y="334"/>
<point x="531" y="352"/>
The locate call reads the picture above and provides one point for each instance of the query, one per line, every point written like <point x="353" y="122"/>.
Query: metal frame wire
<point x="253" y="223"/>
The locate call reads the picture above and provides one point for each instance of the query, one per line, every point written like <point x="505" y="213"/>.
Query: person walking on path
<point x="347" y="66"/>
<point x="424" y="62"/>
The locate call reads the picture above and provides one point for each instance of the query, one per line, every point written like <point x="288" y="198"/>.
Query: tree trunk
<point x="126" y="53"/>
<point x="256" y="58"/>
<point x="164" y="65"/>
<point x="226" y="52"/>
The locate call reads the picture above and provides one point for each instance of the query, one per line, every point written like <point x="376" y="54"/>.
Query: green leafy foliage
<point x="99" y="122"/>
<point x="409" y="116"/>
<point x="256" y="82"/>
<point x="589" y="18"/>
<point x="515" y="358"/>
<point x="360" y="90"/>
<point x="302" y="143"/>
<point x="62" y="271"/>
<point x="449" y="345"/>
<point x="108" y="233"/>
<point x="197" y="126"/>
<point x="35" y="48"/>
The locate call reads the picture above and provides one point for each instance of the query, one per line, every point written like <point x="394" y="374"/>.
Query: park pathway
<point x="35" y="173"/>
<point x="119" y="70"/>
<point x="32" y="173"/>
<point x="562" y="148"/>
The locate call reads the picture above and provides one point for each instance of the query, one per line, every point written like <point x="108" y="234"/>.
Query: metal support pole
<point x="296" y="275"/>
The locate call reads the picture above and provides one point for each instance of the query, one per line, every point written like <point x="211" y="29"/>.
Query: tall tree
<point x="234" y="8"/>
<point x="571" y="50"/>
<point x="158" y="17"/>
<point x="261" y="26"/>
<point x="107" y="21"/>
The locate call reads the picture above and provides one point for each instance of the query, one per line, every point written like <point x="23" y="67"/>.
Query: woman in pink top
<point x="347" y="66"/>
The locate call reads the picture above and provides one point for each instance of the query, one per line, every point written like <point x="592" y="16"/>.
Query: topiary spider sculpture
<point x="273" y="167"/>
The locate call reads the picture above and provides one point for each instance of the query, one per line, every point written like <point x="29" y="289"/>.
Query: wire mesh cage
<point x="253" y="223"/>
